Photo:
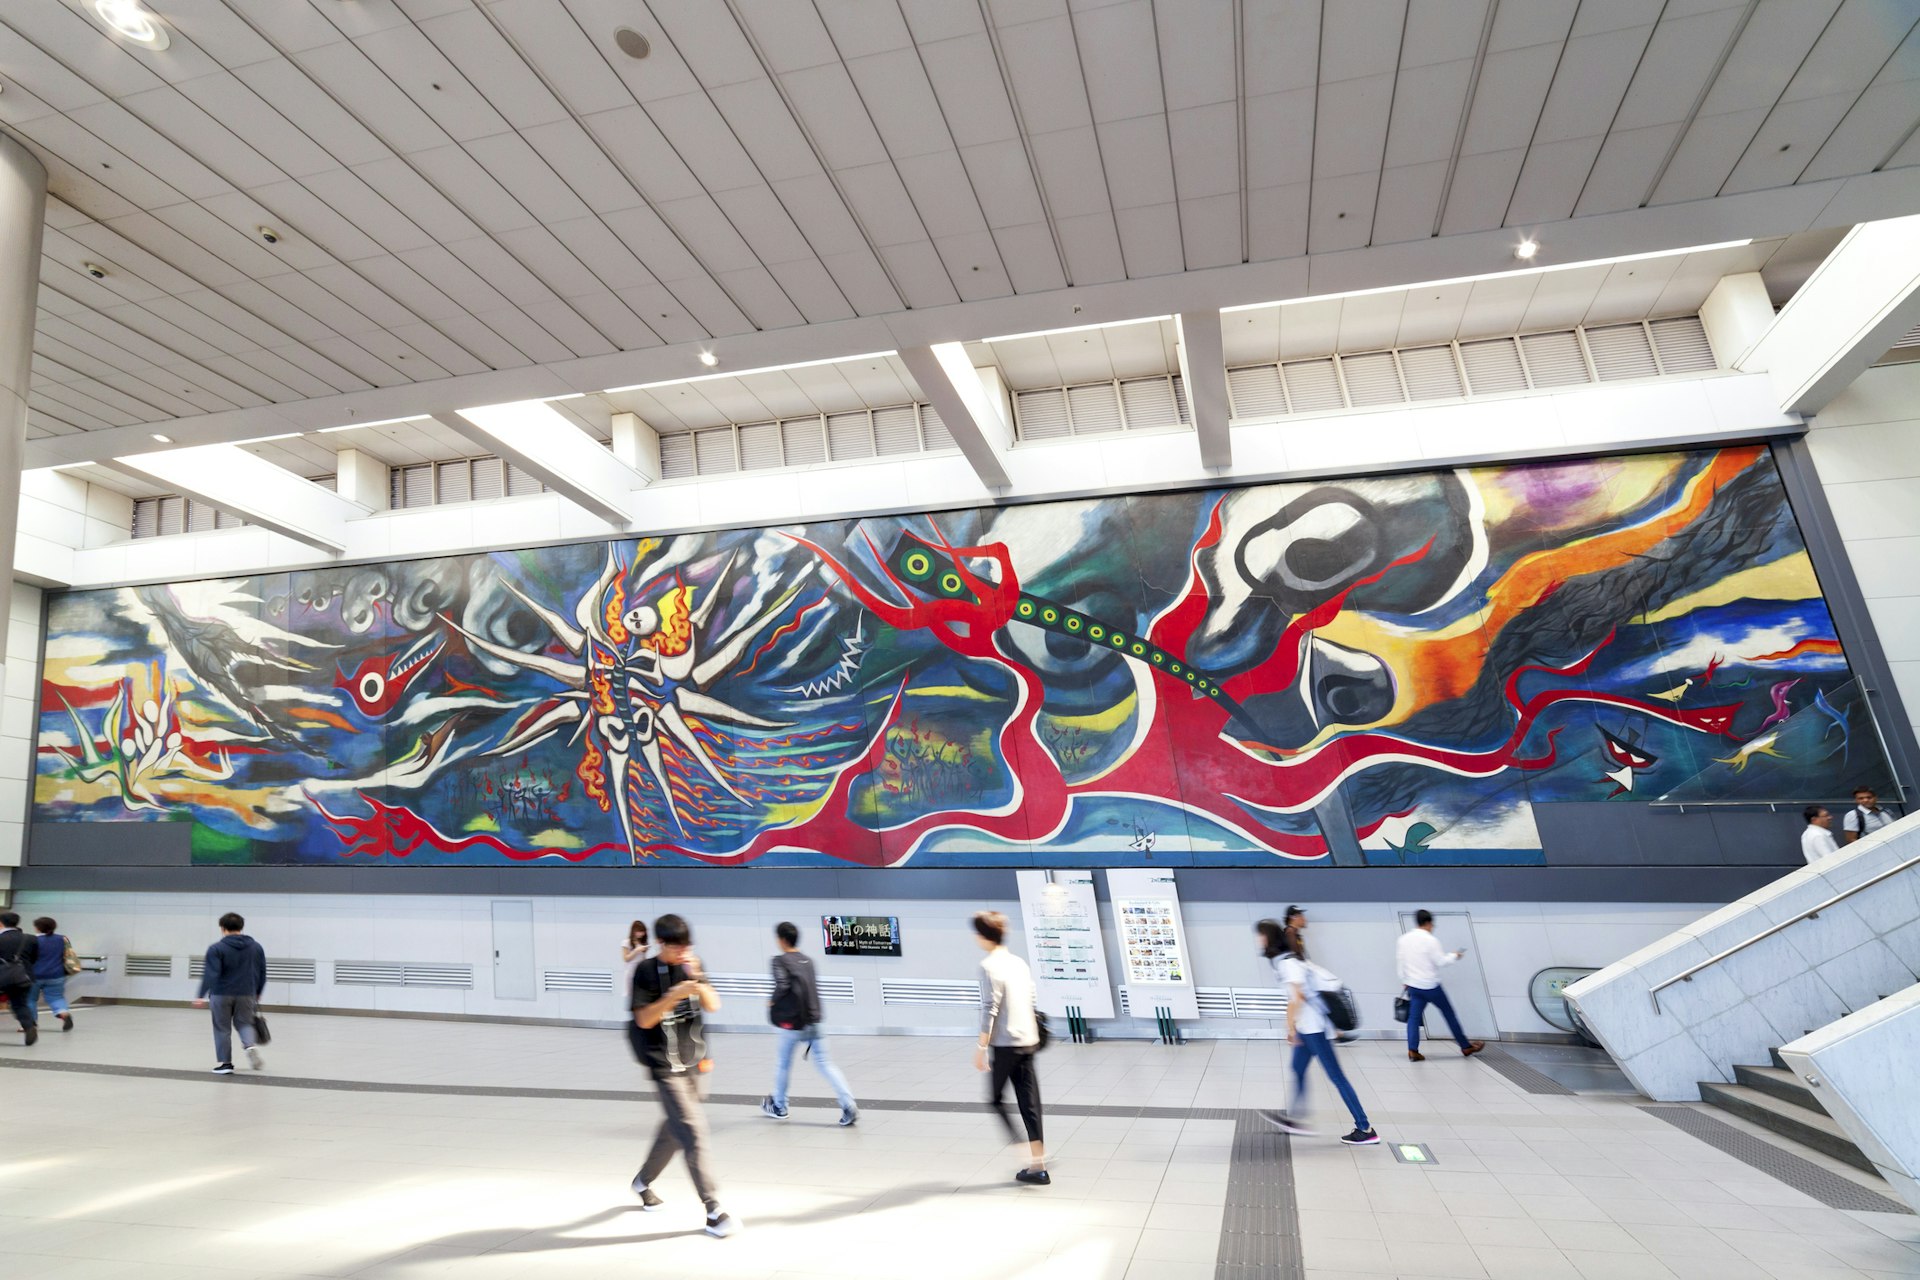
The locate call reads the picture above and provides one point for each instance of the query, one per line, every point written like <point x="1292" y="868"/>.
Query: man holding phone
<point x="670" y="994"/>
<point x="1421" y="958"/>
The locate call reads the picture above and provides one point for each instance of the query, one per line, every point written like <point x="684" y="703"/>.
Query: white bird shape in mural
<point x="1760" y="746"/>
<point x="1676" y="693"/>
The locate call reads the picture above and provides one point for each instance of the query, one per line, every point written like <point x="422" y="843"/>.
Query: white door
<point x="1465" y="981"/>
<point x="513" y="951"/>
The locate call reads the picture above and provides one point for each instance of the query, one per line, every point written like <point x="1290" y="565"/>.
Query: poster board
<point x="1064" y="946"/>
<point x="1154" y="957"/>
<point x="860" y="935"/>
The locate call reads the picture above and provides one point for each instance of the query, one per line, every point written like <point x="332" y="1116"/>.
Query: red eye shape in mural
<point x="376" y="684"/>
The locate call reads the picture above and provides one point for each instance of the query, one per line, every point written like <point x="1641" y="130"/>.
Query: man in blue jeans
<point x="1420" y="959"/>
<point x="234" y="977"/>
<point x="795" y="1010"/>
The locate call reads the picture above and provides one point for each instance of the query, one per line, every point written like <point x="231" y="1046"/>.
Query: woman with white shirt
<point x="1308" y="1028"/>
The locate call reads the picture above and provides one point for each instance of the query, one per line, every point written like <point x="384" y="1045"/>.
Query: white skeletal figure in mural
<point x="143" y="745"/>
<point x="636" y="681"/>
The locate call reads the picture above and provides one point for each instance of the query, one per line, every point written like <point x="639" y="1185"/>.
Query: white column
<point x="966" y="406"/>
<point x="23" y="209"/>
<point x="637" y="444"/>
<point x="361" y="478"/>
<point x="1734" y="315"/>
<point x="1203" y="367"/>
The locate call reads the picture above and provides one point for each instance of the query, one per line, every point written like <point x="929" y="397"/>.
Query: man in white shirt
<point x="1816" y="842"/>
<point x="1866" y="816"/>
<point x="1420" y="959"/>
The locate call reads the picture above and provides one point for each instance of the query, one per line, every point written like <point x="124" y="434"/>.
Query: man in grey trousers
<point x="234" y="977"/>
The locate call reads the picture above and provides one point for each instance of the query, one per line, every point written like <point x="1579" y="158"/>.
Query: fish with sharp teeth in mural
<point x="1627" y="760"/>
<point x="377" y="684"/>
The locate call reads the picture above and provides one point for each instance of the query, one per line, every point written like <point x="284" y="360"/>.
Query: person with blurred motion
<point x="231" y="983"/>
<point x="1816" y="841"/>
<point x="670" y="995"/>
<point x="795" y="1011"/>
<point x="1308" y="1028"/>
<point x="1009" y="1037"/>
<point x="1419" y="957"/>
<point x="17" y="952"/>
<point x="54" y="960"/>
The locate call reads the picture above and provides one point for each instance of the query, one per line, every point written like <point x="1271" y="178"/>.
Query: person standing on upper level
<point x="1866" y="816"/>
<point x="1816" y="842"/>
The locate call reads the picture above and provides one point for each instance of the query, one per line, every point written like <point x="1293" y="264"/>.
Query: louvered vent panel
<point x="146" y="518"/>
<point x="1553" y="359"/>
<point x="1148" y="402"/>
<point x="1041" y="414"/>
<point x="148" y="966"/>
<point x="173" y="515"/>
<point x="676" y="457"/>
<point x="760" y="446"/>
<point x="803" y="441"/>
<point x="303" y="972"/>
<point x="1180" y="398"/>
<point x="1912" y="339"/>
<point x="519" y="483"/>
<point x="933" y="430"/>
<point x="1493" y="366"/>
<point x="576" y="980"/>
<point x="746" y="986"/>
<point x="1372" y="379"/>
<point x="849" y="435"/>
<point x="201" y="518"/>
<point x="426" y="974"/>
<point x="1215" y="1002"/>
<point x="369" y="973"/>
<point x="1683" y="346"/>
<point x="1259" y="1002"/>
<point x="1094" y="407"/>
<point x="1312" y="386"/>
<point x="713" y="451"/>
<point x="489" y="479"/>
<point x="938" y="991"/>
<point x="417" y="486"/>
<point x="1255" y="391"/>
<point x="836" y="990"/>
<point x="1431" y="373"/>
<point x="455" y="481"/>
<point x="1621" y="351"/>
<point x="196" y="967"/>
<point x="227" y="520"/>
<point x="895" y="430"/>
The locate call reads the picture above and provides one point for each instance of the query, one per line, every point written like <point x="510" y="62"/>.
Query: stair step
<point x="1808" y="1128"/>
<point x="1781" y="1083"/>
<point x="1773" y="1055"/>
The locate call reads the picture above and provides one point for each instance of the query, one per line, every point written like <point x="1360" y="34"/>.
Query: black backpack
<point x="789" y="1009"/>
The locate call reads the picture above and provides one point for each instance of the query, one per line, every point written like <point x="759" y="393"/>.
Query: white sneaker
<point x="253" y="1057"/>
<point x="722" y="1224"/>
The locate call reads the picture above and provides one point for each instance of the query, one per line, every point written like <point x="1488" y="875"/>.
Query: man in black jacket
<point x="795" y="1010"/>
<point x="17" y="953"/>
<point x="235" y="975"/>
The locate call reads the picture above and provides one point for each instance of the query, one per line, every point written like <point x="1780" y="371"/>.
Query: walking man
<point x="1009" y="1037"/>
<point x="1816" y="841"/>
<point x="1866" y="816"/>
<point x="795" y="1010"/>
<point x="231" y="983"/>
<point x="670" y="993"/>
<point x="17" y="952"/>
<point x="1420" y="959"/>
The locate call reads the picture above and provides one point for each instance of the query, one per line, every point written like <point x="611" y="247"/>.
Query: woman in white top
<point x="1009" y="1037"/>
<point x="1308" y="1027"/>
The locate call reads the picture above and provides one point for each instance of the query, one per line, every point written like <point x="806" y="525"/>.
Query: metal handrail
<point x="1811" y="913"/>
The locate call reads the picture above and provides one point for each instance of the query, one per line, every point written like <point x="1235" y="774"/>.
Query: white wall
<point x="19" y="719"/>
<point x="734" y="935"/>
<point x="1866" y="447"/>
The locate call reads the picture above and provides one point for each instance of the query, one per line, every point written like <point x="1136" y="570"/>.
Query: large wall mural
<point x="1385" y="670"/>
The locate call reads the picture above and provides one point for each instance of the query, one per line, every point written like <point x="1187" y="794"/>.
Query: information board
<point x="860" y="935"/>
<point x="1153" y="943"/>
<point x="1064" y="946"/>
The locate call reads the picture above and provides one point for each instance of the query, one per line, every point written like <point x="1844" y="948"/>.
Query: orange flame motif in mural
<point x="675" y="634"/>
<point x="592" y="776"/>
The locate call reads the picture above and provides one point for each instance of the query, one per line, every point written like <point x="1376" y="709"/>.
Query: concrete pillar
<point x="637" y="444"/>
<point x="23" y="209"/>
<point x="362" y="478"/>
<point x="1734" y="315"/>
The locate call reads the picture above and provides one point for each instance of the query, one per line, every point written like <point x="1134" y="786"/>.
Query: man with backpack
<point x="795" y="1011"/>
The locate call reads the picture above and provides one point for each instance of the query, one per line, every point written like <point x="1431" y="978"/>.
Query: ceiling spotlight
<point x="632" y="43"/>
<point x="709" y="359"/>
<point x="94" y="269"/>
<point x="130" y="20"/>
<point x="162" y="439"/>
<point x="268" y="234"/>
<point x="1526" y="249"/>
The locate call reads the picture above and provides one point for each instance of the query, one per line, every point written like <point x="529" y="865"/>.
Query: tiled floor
<point x="109" y="1175"/>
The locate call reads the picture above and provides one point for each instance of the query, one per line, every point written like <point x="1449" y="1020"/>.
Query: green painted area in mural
<point x="213" y="847"/>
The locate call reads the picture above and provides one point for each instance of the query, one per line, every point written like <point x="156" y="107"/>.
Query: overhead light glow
<point x="747" y="373"/>
<point x="709" y="359"/>
<point x="162" y="439"/>
<point x="1526" y="249"/>
<point x="130" y="20"/>
<point x="377" y="422"/>
<point x="1078" y="328"/>
<point x="1490" y="275"/>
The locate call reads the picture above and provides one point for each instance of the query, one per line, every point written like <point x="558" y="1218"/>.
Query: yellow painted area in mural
<point x="1788" y="578"/>
<point x="555" y="838"/>
<point x="949" y="691"/>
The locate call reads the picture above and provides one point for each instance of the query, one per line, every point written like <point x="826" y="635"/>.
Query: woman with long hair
<point x="1309" y="1029"/>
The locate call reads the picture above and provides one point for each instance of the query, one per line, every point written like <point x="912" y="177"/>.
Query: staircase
<point x="1773" y="1098"/>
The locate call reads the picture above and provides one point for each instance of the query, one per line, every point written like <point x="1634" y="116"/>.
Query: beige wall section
<point x="1866" y="446"/>
<point x="18" y="719"/>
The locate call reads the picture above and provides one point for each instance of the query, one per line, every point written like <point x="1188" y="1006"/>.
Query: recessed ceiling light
<point x="1526" y="249"/>
<point x="632" y="43"/>
<point x="268" y="234"/>
<point x="709" y="359"/>
<point x="130" y="20"/>
<point x="162" y="439"/>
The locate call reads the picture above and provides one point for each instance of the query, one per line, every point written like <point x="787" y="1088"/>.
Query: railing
<point x="1809" y="914"/>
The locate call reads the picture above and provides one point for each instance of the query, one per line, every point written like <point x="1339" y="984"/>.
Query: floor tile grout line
<point x="1803" y="1175"/>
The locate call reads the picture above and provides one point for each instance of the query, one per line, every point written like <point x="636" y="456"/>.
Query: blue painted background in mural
<point x="1393" y="669"/>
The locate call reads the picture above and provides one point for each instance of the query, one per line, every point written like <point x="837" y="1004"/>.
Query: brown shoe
<point x="1414" y="1055"/>
<point x="1473" y="1047"/>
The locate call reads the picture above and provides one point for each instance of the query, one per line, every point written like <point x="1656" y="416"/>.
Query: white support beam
<point x="1203" y="369"/>
<point x="637" y="444"/>
<point x="360" y="477"/>
<point x="548" y="445"/>
<point x="973" y="416"/>
<point x="229" y="478"/>
<point x="1860" y="301"/>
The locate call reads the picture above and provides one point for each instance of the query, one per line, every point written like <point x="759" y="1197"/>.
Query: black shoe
<point x="722" y="1224"/>
<point x="32" y="1033"/>
<point x="1034" y="1177"/>
<point x="1288" y="1124"/>
<point x="224" y="1069"/>
<point x="849" y="1117"/>
<point x="771" y="1109"/>
<point x="1362" y="1138"/>
<point x="66" y="1022"/>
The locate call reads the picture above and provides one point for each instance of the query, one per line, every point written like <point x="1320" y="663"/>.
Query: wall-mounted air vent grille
<point x="1482" y="367"/>
<point x="432" y="484"/>
<point x="576" y="980"/>
<point x="1214" y="1002"/>
<point x="1228" y="1002"/>
<point x="836" y="990"/>
<point x="278" y="970"/>
<point x="938" y="991"/>
<point x="148" y="966"/>
<point x="747" y="986"/>
<point x="1100" y="408"/>
<point x="402" y="973"/>
<point x="802" y="442"/>
<point x="157" y="517"/>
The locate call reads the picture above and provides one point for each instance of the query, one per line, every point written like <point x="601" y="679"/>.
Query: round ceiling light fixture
<point x="632" y="43"/>
<point x="709" y="359"/>
<point x="162" y="439"/>
<point x="130" y="20"/>
<point x="1526" y="249"/>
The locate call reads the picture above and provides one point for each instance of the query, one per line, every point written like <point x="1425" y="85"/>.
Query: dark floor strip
<point x="1260" y="1234"/>
<point x="1803" y="1175"/>
<point x="1528" y="1078"/>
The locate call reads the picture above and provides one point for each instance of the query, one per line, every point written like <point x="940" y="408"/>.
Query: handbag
<point x="1046" y="1032"/>
<point x="1343" y="1011"/>
<point x="69" y="962"/>
<point x="260" y="1033"/>
<point x="1402" y="1007"/>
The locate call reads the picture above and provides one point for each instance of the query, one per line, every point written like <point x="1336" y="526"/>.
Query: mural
<point x="1384" y="670"/>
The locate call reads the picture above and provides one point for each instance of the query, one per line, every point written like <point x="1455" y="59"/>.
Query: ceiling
<point x="461" y="186"/>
